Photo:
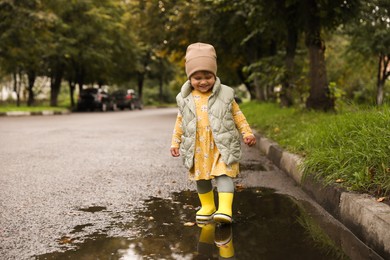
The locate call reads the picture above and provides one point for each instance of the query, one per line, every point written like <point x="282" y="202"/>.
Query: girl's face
<point x="202" y="81"/>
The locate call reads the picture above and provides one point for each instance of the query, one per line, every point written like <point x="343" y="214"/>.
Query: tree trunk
<point x="161" y="89"/>
<point x="141" y="78"/>
<point x="383" y="74"/>
<point x="100" y="84"/>
<point x="248" y="86"/>
<point x="286" y="97"/>
<point x="72" y="87"/>
<point x="55" y="86"/>
<point x="258" y="90"/>
<point x="31" y="80"/>
<point x="319" y="98"/>
<point x="379" y="94"/>
<point x="17" y="88"/>
<point x="80" y="79"/>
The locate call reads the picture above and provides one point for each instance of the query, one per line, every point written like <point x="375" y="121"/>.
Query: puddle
<point x="252" y="166"/>
<point x="93" y="209"/>
<point x="267" y="226"/>
<point x="80" y="228"/>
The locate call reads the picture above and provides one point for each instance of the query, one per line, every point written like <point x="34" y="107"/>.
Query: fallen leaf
<point x="186" y="206"/>
<point x="339" y="181"/>
<point x="65" y="240"/>
<point x="381" y="199"/>
<point x="151" y="218"/>
<point x="276" y="130"/>
<point x="189" y="224"/>
<point x="239" y="187"/>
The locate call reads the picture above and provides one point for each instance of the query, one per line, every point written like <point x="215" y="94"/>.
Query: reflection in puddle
<point x="266" y="226"/>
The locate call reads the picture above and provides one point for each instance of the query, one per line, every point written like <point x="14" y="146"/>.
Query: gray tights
<point x="224" y="184"/>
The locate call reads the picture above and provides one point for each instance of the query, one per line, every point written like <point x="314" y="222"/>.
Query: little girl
<point x="206" y="133"/>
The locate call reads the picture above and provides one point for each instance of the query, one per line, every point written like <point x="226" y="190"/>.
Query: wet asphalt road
<point x="57" y="170"/>
<point x="52" y="166"/>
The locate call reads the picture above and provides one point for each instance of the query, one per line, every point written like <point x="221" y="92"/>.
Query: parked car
<point x="94" y="99"/>
<point x="126" y="99"/>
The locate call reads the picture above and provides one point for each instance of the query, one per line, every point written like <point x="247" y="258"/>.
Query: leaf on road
<point x="186" y="206"/>
<point x="65" y="240"/>
<point x="239" y="187"/>
<point x="381" y="199"/>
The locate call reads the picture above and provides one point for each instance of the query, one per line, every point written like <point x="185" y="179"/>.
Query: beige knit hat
<point x="200" y="56"/>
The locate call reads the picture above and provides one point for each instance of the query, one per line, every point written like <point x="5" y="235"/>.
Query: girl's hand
<point x="175" y="152"/>
<point x="250" y="140"/>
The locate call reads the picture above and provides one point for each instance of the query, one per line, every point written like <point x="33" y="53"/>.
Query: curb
<point x="35" y="113"/>
<point x="368" y="219"/>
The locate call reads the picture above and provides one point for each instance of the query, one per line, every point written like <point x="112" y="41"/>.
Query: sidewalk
<point x="35" y="113"/>
<point x="368" y="219"/>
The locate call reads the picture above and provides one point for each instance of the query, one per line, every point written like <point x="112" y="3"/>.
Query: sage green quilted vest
<point x="225" y="133"/>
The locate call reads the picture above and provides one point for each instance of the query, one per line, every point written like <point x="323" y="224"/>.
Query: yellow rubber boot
<point x="226" y="251"/>
<point x="224" y="241"/>
<point x="207" y="234"/>
<point x="224" y="212"/>
<point x="206" y="240"/>
<point x="208" y="206"/>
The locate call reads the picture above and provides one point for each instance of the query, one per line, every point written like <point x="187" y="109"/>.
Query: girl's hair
<point x="206" y="72"/>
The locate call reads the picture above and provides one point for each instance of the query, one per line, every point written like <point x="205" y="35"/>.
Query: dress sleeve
<point x="177" y="132"/>
<point x="240" y="121"/>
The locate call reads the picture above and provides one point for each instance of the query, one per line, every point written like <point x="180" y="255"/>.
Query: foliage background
<point x="262" y="45"/>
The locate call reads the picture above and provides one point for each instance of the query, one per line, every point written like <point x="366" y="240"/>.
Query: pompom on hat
<point x="200" y="57"/>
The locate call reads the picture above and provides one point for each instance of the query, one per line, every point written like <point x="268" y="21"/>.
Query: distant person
<point x="207" y="133"/>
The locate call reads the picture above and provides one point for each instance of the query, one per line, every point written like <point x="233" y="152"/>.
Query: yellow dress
<point x="207" y="161"/>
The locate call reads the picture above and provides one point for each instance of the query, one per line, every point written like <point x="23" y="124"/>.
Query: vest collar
<point x="186" y="89"/>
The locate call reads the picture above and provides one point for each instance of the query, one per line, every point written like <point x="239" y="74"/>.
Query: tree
<point x="280" y="21"/>
<point x="321" y="15"/>
<point x="370" y="37"/>
<point x="58" y="48"/>
<point x="226" y="25"/>
<point x="94" y="45"/>
<point x="272" y="68"/>
<point x="286" y="11"/>
<point x="24" y="38"/>
<point x="151" y="24"/>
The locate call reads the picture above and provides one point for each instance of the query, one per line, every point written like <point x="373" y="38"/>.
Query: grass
<point x="350" y="148"/>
